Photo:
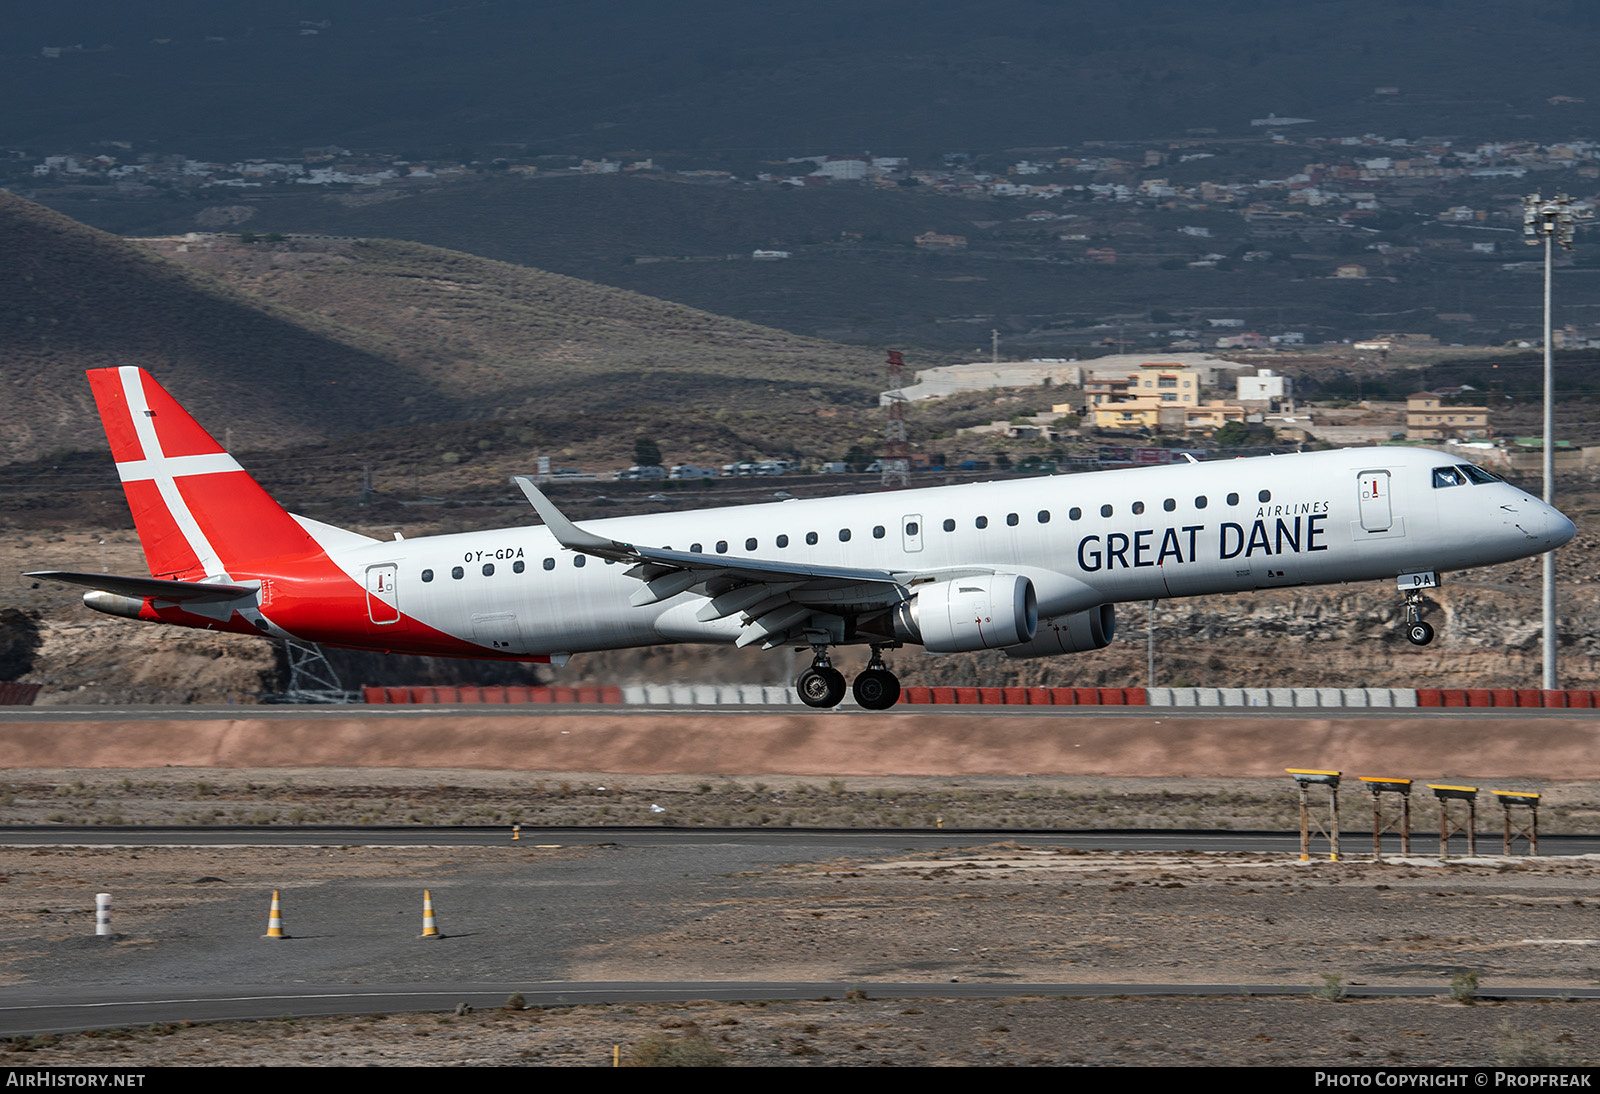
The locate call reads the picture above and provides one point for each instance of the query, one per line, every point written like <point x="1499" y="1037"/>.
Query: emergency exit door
<point x="1377" y="515"/>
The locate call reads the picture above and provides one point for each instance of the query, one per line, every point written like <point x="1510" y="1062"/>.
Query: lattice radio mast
<point x="896" y="454"/>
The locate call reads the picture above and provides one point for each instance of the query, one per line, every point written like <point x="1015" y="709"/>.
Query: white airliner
<point x="1033" y="567"/>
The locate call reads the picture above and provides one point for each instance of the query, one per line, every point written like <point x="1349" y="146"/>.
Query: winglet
<point x="567" y="534"/>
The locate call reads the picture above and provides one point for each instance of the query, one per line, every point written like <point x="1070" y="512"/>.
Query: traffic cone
<point x="430" y="926"/>
<point x="275" y="919"/>
<point x="516" y="832"/>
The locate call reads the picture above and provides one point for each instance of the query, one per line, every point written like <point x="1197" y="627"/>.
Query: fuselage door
<point x="383" y="601"/>
<point x="911" y="531"/>
<point x="1376" y="514"/>
<point x="497" y="630"/>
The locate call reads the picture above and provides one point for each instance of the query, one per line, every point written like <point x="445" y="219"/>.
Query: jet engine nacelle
<point x="970" y="613"/>
<point x="1092" y="629"/>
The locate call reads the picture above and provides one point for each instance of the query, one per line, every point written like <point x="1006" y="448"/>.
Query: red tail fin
<point x="198" y="513"/>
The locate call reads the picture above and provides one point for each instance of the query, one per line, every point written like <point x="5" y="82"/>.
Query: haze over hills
<point x="342" y="337"/>
<point x="747" y="81"/>
<point x="1185" y="209"/>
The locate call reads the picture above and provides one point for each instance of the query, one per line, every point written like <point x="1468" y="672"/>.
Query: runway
<point x="28" y="1014"/>
<point x="1357" y="844"/>
<point x="740" y="908"/>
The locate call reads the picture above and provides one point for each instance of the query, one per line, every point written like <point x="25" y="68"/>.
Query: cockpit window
<point x="1448" y="476"/>
<point x="1475" y="474"/>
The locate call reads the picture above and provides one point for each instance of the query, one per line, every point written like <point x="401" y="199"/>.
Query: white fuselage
<point x="1082" y="540"/>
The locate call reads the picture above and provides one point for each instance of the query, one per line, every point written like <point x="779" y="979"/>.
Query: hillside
<point x="74" y="298"/>
<point x="498" y="336"/>
<point x="321" y="340"/>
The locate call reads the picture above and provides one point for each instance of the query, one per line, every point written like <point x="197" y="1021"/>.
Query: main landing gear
<point x="1418" y="633"/>
<point x="822" y="685"/>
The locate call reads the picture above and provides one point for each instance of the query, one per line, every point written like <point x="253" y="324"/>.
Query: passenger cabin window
<point x="1044" y="516"/>
<point x="1170" y="504"/>
<point x="878" y="531"/>
<point x="1265" y="495"/>
<point x="1200" y="502"/>
<point x="911" y="528"/>
<point x="982" y="522"/>
<point x="783" y="541"/>
<point x="581" y="561"/>
<point x="1074" y="513"/>
<point x="1138" y="507"/>
<point x="722" y="546"/>
<point x="811" y="539"/>
<point x="518" y="567"/>
<point x="488" y="569"/>
<point x="427" y="575"/>
<point x="1233" y="499"/>
<point x="549" y="564"/>
<point x="1011" y="519"/>
<point x="457" y="572"/>
<point x="949" y="526"/>
<point x="694" y="548"/>
<point x="1448" y="476"/>
<point x="844" y="535"/>
<point x="1105" y="510"/>
<point x="750" y="544"/>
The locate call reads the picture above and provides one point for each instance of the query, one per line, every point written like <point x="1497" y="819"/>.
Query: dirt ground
<point x="1155" y="1032"/>
<point x="454" y="796"/>
<point x="986" y="914"/>
<point x="999" y="914"/>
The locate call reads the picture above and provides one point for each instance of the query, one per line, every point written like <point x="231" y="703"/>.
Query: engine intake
<point x="986" y="612"/>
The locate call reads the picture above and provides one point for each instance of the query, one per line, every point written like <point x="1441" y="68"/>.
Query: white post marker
<point x="102" y="915"/>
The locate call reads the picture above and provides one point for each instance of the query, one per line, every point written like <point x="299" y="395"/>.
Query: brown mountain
<point x="305" y="339"/>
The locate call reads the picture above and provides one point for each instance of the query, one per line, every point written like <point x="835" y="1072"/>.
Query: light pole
<point x="1553" y="222"/>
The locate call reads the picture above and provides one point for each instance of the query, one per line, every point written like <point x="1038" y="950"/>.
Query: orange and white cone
<point x="516" y="832"/>
<point x="275" y="919"/>
<point x="430" y="926"/>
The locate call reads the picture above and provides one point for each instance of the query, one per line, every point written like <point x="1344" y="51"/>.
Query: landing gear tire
<point x="877" y="689"/>
<point x="820" y="686"/>
<point x="1418" y="633"/>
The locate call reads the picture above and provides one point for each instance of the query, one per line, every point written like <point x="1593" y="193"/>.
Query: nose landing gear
<point x="1418" y="633"/>
<point x="822" y="685"/>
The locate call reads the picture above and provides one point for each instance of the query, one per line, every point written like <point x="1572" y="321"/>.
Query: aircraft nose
<point x="1558" y="527"/>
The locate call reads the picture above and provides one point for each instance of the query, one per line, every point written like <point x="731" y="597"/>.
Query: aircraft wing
<point x="775" y="598"/>
<point x="178" y="591"/>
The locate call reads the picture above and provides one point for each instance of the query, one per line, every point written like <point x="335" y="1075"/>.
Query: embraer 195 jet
<point x="1032" y="567"/>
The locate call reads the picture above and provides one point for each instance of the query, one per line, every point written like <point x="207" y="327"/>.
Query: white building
<point x="1265" y="386"/>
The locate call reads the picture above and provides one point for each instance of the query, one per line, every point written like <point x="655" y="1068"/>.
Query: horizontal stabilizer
<point x="189" y="591"/>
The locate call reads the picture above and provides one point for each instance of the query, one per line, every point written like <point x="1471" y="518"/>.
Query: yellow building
<point x="1166" y="383"/>
<point x="1429" y="418"/>
<point x="1214" y="414"/>
<point x="1140" y="413"/>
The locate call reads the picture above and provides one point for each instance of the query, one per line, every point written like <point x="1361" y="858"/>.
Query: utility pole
<point x="896" y="452"/>
<point x="1553" y="222"/>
